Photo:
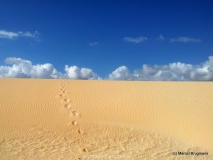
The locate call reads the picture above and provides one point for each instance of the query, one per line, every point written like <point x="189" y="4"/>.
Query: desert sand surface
<point x="83" y="119"/>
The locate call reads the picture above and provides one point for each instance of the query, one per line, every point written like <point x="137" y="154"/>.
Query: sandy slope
<point x="72" y="119"/>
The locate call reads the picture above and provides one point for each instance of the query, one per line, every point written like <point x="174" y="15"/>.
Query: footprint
<point x="61" y="95"/>
<point x="74" y="123"/>
<point x="85" y="150"/>
<point x="80" y="131"/>
<point x="66" y="100"/>
<point x="64" y="92"/>
<point x="68" y="106"/>
<point x="75" y="113"/>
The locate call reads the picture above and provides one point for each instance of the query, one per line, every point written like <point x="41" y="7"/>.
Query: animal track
<point x="66" y="100"/>
<point x="80" y="131"/>
<point x="61" y="95"/>
<point x="68" y="106"/>
<point x="85" y="150"/>
<point x="75" y="113"/>
<point x="75" y="123"/>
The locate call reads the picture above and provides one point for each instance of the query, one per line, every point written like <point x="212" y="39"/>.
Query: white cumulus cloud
<point x="8" y="35"/>
<point x="177" y="71"/>
<point x="135" y="40"/>
<point x="13" y="35"/>
<point x="170" y="72"/>
<point x="185" y="39"/>
<point x="22" y="68"/>
<point x="73" y="72"/>
<point x="121" y="73"/>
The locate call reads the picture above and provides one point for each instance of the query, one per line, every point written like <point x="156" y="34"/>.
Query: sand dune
<point x="76" y="119"/>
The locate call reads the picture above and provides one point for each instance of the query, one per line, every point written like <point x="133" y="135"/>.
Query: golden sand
<point x="76" y="119"/>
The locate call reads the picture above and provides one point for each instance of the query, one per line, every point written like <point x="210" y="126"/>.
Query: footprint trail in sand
<point x="67" y="104"/>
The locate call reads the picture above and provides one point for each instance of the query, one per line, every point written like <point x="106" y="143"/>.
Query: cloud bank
<point x="13" y="35"/>
<point x="21" y="68"/>
<point x="171" y="72"/>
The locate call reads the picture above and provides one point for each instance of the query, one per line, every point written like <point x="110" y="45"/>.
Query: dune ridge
<point x="77" y="119"/>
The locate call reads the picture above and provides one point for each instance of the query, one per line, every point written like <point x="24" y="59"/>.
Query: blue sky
<point x="103" y="35"/>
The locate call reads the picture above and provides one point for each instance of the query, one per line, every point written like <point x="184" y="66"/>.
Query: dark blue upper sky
<point x="105" y="34"/>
